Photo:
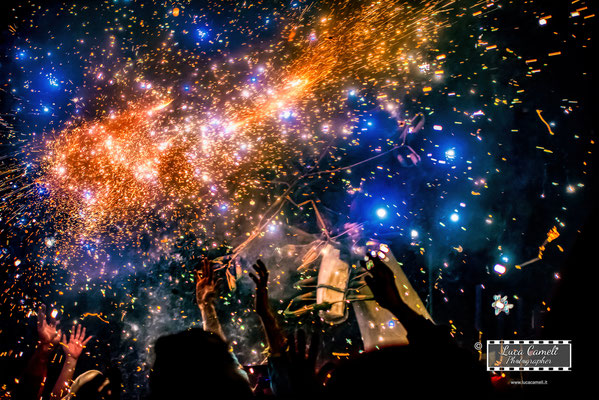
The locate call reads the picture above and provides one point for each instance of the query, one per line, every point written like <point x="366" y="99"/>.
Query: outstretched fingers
<point x="54" y="324"/>
<point x="261" y="279"/>
<point x="261" y="264"/>
<point x="380" y="270"/>
<point x="254" y="278"/>
<point x="77" y="337"/>
<point x="207" y="270"/>
<point x="82" y="333"/>
<point x="41" y="315"/>
<point x="262" y="270"/>
<point x="76" y="332"/>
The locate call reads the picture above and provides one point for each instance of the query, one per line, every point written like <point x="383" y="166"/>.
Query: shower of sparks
<point x="156" y="157"/>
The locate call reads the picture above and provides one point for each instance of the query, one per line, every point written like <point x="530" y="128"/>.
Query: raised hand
<point x="76" y="342"/>
<point x="205" y="296"/>
<point x="274" y="335"/>
<point x="382" y="283"/>
<point x="302" y="371"/>
<point x="304" y="358"/>
<point x="205" y="284"/>
<point x="34" y="376"/>
<point x="47" y="332"/>
<point x="261" y="281"/>
<point x="72" y="348"/>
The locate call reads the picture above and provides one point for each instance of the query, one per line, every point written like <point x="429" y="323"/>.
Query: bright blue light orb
<point x="381" y="213"/>
<point x="450" y="153"/>
<point x="454" y="217"/>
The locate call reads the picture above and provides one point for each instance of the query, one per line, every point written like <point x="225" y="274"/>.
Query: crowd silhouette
<point x="198" y="363"/>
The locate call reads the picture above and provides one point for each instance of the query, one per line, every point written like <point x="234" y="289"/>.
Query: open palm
<point x="47" y="332"/>
<point x="76" y="342"/>
<point x="205" y="283"/>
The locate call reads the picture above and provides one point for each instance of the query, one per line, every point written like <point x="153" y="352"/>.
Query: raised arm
<point x="72" y="350"/>
<point x="34" y="377"/>
<point x="382" y="283"/>
<point x="274" y="335"/>
<point x="205" y="296"/>
<point x="290" y="366"/>
<point x="433" y="341"/>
